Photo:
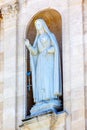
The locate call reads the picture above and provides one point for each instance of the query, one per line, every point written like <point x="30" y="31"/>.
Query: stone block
<point x="78" y="125"/>
<point x="45" y="122"/>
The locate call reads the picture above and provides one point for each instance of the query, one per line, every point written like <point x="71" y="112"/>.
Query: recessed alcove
<point x="54" y="22"/>
<point x="1" y="15"/>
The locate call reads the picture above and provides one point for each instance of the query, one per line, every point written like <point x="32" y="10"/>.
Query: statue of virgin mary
<point x="46" y="69"/>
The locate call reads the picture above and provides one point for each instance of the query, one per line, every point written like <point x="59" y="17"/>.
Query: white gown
<point x="44" y="70"/>
<point x="45" y="67"/>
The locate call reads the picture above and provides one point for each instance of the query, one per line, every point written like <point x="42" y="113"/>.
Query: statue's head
<point x="40" y="24"/>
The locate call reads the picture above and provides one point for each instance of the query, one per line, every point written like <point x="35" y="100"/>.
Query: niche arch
<point x="54" y="22"/>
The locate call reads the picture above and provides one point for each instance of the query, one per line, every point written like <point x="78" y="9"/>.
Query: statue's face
<point x="38" y="25"/>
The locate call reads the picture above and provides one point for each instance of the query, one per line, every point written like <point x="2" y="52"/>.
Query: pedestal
<point x="45" y="107"/>
<point x="46" y="122"/>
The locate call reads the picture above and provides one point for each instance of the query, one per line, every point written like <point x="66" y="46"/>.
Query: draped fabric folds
<point x="56" y="77"/>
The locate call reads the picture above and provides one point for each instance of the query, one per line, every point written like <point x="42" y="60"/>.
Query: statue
<point x="46" y="69"/>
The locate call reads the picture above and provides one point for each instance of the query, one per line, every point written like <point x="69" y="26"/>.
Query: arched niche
<point x="54" y="22"/>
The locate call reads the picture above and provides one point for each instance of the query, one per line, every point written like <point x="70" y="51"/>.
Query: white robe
<point x="46" y="70"/>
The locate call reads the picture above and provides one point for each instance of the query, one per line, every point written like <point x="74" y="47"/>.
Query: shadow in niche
<point x="54" y="23"/>
<point x="30" y="101"/>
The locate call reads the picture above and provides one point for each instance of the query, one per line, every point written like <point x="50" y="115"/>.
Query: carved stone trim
<point x="10" y="10"/>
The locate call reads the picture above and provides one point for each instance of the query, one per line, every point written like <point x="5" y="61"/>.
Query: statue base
<point x="49" y="121"/>
<point x="44" y="107"/>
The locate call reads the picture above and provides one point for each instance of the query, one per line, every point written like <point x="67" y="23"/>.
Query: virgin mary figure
<point x="45" y="65"/>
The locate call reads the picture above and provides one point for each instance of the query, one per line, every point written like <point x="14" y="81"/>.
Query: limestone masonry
<point x="16" y="24"/>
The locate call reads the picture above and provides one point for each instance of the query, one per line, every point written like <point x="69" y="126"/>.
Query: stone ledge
<point x="45" y="122"/>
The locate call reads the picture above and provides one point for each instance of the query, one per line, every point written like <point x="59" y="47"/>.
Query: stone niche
<point x="46" y="122"/>
<point x="54" y="22"/>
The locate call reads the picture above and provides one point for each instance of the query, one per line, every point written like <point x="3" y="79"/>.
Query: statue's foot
<point x="44" y="107"/>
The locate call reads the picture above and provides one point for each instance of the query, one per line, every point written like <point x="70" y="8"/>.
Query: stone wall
<point x="85" y="53"/>
<point x="14" y="26"/>
<point x="1" y="76"/>
<point x="8" y="42"/>
<point x="77" y="66"/>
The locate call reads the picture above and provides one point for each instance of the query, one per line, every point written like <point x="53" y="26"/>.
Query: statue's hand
<point x="27" y="43"/>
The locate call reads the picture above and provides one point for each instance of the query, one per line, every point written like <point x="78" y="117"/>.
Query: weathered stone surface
<point x="12" y="54"/>
<point x="45" y="122"/>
